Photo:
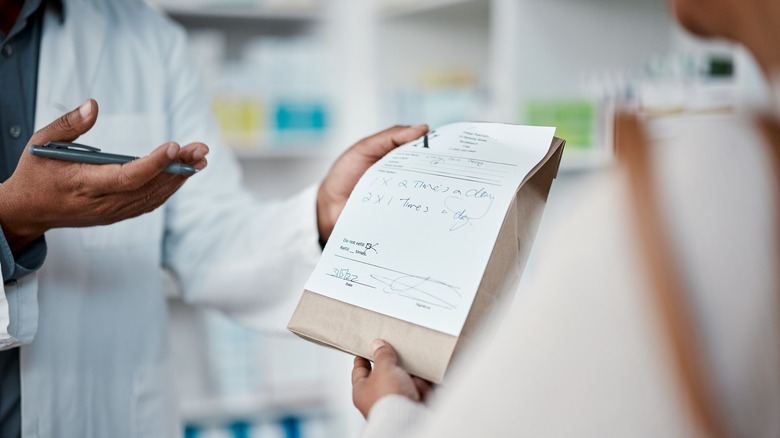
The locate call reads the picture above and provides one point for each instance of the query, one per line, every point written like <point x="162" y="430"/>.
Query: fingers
<point x="133" y="175"/>
<point x="423" y="387"/>
<point x="152" y="196"/>
<point x="383" y="354"/>
<point x="378" y="145"/>
<point x="70" y="126"/>
<point x="360" y="370"/>
<point x="194" y="154"/>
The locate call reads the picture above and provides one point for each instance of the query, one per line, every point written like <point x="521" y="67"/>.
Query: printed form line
<point x="461" y="166"/>
<point x="453" y="156"/>
<point x="352" y="281"/>
<point x="453" y="177"/>
<point x="376" y="266"/>
<point x="472" y="174"/>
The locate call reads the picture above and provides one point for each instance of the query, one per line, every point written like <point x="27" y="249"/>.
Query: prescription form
<point x="415" y="236"/>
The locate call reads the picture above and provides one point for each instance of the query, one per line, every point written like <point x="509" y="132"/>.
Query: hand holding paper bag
<point x="347" y="170"/>
<point x="386" y="378"/>
<point x="433" y="239"/>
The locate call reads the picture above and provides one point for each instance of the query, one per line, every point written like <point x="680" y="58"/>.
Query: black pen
<point x="81" y="153"/>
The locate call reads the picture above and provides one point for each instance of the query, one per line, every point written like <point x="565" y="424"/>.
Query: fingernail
<point x="420" y="126"/>
<point x="172" y="151"/>
<point x="85" y="109"/>
<point x="376" y="345"/>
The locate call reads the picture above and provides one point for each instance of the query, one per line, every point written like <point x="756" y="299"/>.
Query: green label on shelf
<point x="575" y="120"/>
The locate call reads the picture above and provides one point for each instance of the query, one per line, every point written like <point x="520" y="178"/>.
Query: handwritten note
<point x="416" y="234"/>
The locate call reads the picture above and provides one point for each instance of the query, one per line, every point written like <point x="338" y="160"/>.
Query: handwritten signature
<point x="423" y="289"/>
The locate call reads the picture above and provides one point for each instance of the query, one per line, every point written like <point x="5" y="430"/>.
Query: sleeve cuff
<point x="19" y="312"/>
<point x="29" y="260"/>
<point x="7" y="261"/>
<point x="393" y="416"/>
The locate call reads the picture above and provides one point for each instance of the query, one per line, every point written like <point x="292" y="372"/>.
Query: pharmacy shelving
<point x="302" y="152"/>
<point x="304" y="403"/>
<point x="523" y="51"/>
<point x="231" y="38"/>
<point x="401" y="8"/>
<point x="241" y="13"/>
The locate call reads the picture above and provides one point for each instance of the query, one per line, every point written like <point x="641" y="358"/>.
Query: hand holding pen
<point x="81" y="153"/>
<point x="43" y="193"/>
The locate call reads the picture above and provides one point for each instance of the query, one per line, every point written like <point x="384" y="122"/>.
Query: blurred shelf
<point x="281" y="153"/>
<point x="574" y="161"/>
<point x="303" y="402"/>
<point x="410" y="8"/>
<point x="240" y="12"/>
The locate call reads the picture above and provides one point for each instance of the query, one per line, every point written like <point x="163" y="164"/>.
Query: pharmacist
<point x="83" y="312"/>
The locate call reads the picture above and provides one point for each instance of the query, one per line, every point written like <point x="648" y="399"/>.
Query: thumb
<point x="70" y="126"/>
<point x="383" y="353"/>
<point x="380" y="144"/>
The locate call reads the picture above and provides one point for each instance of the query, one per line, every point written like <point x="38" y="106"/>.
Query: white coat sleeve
<point x="19" y="301"/>
<point x="229" y="250"/>
<point x="20" y="297"/>
<point x="394" y="416"/>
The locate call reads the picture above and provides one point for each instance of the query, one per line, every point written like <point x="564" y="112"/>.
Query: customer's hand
<point x="44" y="193"/>
<point x="350" y="166"/>
<point x="386" y="378"/>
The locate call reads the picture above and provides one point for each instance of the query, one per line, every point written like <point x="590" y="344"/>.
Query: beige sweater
<point x="582" y="353"/>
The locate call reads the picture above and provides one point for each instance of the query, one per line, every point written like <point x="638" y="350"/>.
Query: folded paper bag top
<point x="432" y="242"/>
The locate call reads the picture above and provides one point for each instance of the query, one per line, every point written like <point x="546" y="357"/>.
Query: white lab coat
<point x="92" y="322"/>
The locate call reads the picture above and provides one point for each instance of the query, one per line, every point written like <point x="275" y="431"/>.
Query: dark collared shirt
<point x="18" y="82"/>
<point x="19" y="52"/>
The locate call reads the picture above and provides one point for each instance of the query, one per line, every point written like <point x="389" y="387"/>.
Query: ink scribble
<point x="466" y="210"/>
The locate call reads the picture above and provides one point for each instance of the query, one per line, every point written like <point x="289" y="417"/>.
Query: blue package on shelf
<point x="191" y="431"/>
<point x="240" y="429"/>
<point x="292" y="427"/>
<point x="299" y="115"/>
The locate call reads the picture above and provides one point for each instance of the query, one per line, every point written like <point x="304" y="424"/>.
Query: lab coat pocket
<point x="127" y="134"/>
<point x="154" y="403"/>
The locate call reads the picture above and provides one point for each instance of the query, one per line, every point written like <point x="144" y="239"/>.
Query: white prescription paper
<point x="417" y="232"/>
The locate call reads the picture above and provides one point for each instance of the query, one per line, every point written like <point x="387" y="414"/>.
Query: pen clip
<point x="71" y="146"/>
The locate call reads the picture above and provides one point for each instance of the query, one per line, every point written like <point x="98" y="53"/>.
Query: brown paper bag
<point x="421" y="351"/>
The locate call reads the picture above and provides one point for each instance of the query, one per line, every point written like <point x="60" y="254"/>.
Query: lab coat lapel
<point x="70" y="54"/>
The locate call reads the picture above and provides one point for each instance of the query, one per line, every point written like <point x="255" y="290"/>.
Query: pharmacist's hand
<point x="44" y="193"/>
<point x="387" y="378"/>
<point x="350" y="166"/>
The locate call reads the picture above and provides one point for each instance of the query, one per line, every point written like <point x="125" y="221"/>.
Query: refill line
<point x="371" y="264"/>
